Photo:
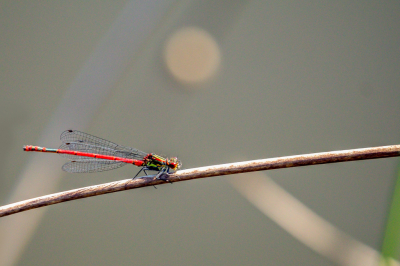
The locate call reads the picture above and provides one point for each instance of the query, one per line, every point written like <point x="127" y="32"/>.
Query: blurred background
<point x="211" y="82"/>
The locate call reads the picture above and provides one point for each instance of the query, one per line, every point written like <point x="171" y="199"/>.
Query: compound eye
<point x="174" y="163"/>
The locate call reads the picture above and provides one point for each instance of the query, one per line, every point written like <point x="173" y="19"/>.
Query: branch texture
<point x="202" y="172"/>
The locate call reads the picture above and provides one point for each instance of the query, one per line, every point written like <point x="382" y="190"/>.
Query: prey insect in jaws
<point x="90" y="154"/>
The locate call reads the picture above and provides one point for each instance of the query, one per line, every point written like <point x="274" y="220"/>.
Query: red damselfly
<point x="92" y="154"/>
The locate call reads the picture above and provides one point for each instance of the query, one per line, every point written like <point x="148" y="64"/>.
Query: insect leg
<point x="163" y="171"/>
<point x="139" y="172"/>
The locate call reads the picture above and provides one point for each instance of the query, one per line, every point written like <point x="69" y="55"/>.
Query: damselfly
<point x="92" y="154"/>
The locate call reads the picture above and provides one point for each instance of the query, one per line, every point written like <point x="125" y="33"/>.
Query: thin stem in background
<point x="202" y="172"/>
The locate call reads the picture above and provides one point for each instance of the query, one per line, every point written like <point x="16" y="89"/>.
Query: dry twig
<point x="202" y="172"/>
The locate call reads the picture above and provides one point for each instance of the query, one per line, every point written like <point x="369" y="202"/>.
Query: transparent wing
<point x="78" y="136"/>
<point x="91" y="166"/>
<point x="80" y="141"/>
<point x="89" y="148"/>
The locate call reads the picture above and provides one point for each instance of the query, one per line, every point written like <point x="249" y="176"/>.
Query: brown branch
<point x="202" y="172"/>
